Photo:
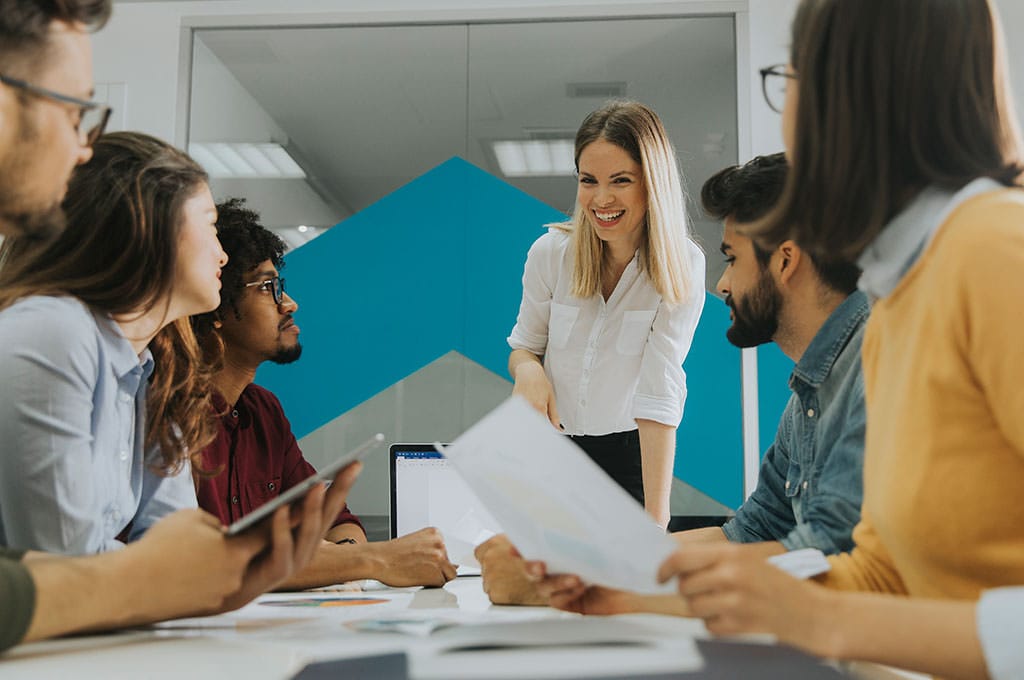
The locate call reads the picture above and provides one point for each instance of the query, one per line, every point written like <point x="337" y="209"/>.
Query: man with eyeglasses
<point x="47" y="125"/>
<point x="255" y="456"/>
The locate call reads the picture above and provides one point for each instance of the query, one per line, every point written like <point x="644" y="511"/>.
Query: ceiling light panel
<point x="245" y="160"/>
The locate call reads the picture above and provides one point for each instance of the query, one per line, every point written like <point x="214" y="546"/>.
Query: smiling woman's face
<point x="612" y="193"/>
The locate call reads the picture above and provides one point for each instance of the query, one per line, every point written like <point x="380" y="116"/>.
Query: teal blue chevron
<point x="773" y="370"/>
<point x="437" y="266"/>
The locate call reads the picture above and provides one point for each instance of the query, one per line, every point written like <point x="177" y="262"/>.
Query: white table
<point x="267" y="642"/>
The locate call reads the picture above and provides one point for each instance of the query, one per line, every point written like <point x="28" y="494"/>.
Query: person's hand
<point x="736" y="590"/>
<point x="294" y="534"/>
<point x="503" y="570"/>
<point x="532" y="384"/>
<point x="191" y="566"/>
<point x="417" y="559"/>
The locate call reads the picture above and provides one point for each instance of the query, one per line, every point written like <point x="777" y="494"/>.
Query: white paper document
<point x="556" y="504"/>
<point x="804" y="563"/>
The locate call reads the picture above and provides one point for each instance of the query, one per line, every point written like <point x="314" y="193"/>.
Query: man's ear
<point x="790" y="256"/>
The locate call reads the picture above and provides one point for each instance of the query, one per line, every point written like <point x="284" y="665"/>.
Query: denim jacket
<point x="809" y="490"/>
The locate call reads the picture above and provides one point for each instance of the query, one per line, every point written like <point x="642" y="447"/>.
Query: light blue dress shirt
<point x="809" y="488"/>
<point x="74" y="473"/>
<point x="1001" y="630"/>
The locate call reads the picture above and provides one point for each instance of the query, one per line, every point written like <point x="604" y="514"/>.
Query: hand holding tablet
<point x="298" y="491"/>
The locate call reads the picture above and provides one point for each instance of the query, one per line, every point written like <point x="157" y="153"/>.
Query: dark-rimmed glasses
<point x="92" y="116"/>
<point x="773" y="85"/>
<point x="274" y="285"/>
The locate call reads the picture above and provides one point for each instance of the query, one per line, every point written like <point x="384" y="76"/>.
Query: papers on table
<point x="556" y="504"/>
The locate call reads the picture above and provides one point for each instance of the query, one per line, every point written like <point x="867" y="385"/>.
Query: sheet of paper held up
<point x="556" y="504"/>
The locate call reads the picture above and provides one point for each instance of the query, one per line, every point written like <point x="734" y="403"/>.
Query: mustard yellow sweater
<point x="943" y="355"/>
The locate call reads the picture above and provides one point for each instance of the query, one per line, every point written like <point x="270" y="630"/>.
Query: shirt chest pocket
<point x="563" y="318"/>
<point x="636" y="327"/>
<point x="260" y="492"/>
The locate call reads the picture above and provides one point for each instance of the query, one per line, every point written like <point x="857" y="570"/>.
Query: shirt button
<point x="805" y="486"/>
<point x="810" y="413"/>
<point x="124" y="455"/>
<point x="270" y="487"/>
<point x="126" y="398"/>
<point x="234" y="500"/>
<point x="787" y="485"/>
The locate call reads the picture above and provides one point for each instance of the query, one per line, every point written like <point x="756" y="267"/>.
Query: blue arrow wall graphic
<point x="437" y="265"/>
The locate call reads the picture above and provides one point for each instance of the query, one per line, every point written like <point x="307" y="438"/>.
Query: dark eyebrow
<point x="622" y="172"/>
<point x="725" y="248"/>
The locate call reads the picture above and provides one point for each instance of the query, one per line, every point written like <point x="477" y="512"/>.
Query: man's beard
<point x="18" y="217"/>
<point x="35" y="225"/>
<point x="287" y="355"/>
<point x="756" y="314"/>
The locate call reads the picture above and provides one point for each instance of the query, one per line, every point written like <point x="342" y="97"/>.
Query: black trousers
<point x="618" y="454"/>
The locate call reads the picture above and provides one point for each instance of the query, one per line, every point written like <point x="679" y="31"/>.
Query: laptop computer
<point x="427" y="492"/>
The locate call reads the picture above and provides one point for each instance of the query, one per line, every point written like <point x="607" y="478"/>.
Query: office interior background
<point x="345" y="115"/>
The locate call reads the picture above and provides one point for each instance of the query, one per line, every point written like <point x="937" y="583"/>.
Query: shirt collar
<point x="816" y="362"/>
<point x="901" y="242"/>
<point x="123" y="358"/>
<point x="239" y="415"/>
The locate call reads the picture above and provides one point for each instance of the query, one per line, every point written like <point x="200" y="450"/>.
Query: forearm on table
<point x="657" y="456"/>
<point x="927" y="636"/>
<point x="701" y="535"/>
<point x="88" y="593"/>
<point x="334" y="564"/>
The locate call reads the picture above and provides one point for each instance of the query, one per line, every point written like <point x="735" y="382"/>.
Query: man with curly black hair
<point x="255" y="456"/>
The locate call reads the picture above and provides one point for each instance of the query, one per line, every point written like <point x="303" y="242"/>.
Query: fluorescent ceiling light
<point x="535" y="157"/>
<point x="234" y="160"/>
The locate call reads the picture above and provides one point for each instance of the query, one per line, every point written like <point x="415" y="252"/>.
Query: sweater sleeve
<point x="868" y="567"/>
<point x="17" y="598"/>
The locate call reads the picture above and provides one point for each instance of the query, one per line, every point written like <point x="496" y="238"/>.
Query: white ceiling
<point x="367" y="109"/>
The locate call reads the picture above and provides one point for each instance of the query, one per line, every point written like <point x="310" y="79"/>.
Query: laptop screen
<point x="427" y="492"/>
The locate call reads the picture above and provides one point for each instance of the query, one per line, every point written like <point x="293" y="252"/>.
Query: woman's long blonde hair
<point x="638" y="131"/>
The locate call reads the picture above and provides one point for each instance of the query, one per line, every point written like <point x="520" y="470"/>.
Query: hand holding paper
<point x="557" y="505"/>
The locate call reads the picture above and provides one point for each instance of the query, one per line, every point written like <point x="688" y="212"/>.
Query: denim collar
<point x="895" y="250"/>
<point x="816" y="362"/>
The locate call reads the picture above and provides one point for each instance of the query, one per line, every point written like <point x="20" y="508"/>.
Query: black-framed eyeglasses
<point x="773" y="84"/>
<point x="92" y="116"/>
<point x="274" y="285"/>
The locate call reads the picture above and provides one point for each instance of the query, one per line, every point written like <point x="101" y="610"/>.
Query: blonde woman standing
<point x="611" y="300"/>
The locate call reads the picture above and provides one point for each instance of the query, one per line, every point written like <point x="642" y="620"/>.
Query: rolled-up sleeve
<point x="1001" y="631"/>
<point x="661" y="390"/>
<point x="539" y="277"/>
<point x="48" y="367"/>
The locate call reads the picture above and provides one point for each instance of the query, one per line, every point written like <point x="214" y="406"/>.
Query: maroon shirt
<point x="257" y="456"/>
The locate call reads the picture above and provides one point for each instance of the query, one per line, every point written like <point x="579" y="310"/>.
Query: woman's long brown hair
<point x="118" y="255"/>
<point x="894" y="96"/>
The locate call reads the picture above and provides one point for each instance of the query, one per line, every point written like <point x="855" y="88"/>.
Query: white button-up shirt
<point x="613" y="362"/>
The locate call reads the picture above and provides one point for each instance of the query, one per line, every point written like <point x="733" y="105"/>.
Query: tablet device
<point x="299" y="490"/>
